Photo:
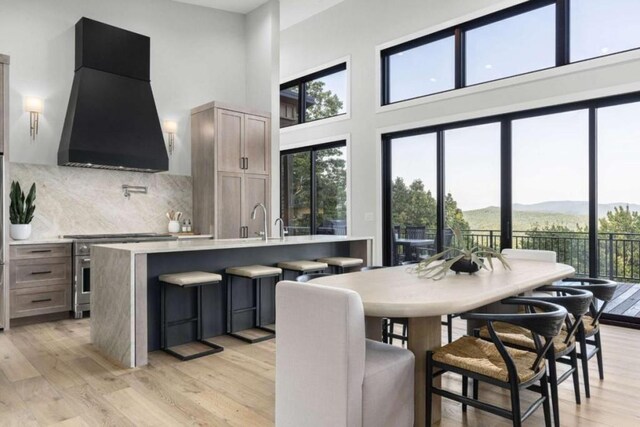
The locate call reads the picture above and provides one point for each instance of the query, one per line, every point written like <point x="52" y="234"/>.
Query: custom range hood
<point x="112" y="121"/>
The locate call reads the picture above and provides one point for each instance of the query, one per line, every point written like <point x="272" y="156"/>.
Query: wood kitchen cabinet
<point x="40" y="279"/>
<point x="231" y="169"/>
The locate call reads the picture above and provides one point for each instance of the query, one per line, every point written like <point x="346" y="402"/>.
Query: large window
<point x="530" y="36"/>
<point x="603" y="27"/>
<point x="313" y="189"/>
<point x="511" y="46"/>
<point x="423" y="70"/>
<point x="472" y="183"/>
<point x="413" y="196"/>
<point x="562" y="178"/>
<point x="316" y="96"/>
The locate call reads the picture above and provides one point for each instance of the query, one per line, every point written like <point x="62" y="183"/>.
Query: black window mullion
<point x="593" y="192"/>
<point x="385" y="95"/>
<point x="506" y="188"/>
<point x="387" y="217"/>
<point x="440" y="203"/>
<point x="460" y="58"/>
<point x="314" y="189"/>
<point x="562" y="32"/>
<point x="302" y="102"/>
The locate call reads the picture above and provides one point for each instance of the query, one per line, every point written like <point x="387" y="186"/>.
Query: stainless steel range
<point x="82" y="259"/>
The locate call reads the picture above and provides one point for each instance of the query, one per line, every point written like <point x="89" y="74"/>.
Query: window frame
<point x="506" y="161"/>
<point x="301" y="84"/>
<point x="312" y="150"/>
<point x="562" y="46"/>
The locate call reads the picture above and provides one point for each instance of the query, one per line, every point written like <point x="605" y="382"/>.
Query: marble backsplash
<point x="90" y="201"/>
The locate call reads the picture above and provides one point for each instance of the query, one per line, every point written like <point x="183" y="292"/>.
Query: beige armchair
<point x="327" y="373"/>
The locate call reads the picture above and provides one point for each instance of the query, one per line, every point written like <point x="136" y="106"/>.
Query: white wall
<point x="197" y="55"/>
<point x="263" y="78"/>
<point x="358" y="27"/>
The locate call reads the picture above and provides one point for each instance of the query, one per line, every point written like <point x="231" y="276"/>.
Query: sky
<point x="550" y="157"/>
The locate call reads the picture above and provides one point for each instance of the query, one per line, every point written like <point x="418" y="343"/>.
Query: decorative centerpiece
<point x="459" y="258"/>
<point x="21" y="211"/>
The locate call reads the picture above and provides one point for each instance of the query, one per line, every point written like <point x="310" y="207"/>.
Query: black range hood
<point x="112" y="121"/>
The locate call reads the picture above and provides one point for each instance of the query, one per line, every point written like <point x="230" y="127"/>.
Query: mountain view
<point x="565" y="213"/>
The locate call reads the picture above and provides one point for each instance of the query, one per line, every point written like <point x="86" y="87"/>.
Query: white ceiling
<point x="291" y="11"/>
<point x="238" y="6"/>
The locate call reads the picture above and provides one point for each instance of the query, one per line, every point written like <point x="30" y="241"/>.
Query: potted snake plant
<point x="460" y="258"/>
<point x="21" y="211"/>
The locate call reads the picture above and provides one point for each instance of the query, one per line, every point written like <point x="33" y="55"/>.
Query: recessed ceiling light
<point x="488" y="66"/>
<point x="604" y="50"/>
<point x="433" y="79"/>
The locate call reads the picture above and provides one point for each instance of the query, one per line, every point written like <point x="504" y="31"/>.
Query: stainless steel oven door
<point x="82" y="286"/>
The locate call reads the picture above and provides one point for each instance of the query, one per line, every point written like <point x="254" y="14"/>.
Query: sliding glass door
<point x="564" y="179"/>
<point x="550" y="181"/>
<point x="413" y="197"/>
<point x="313" y="189"/>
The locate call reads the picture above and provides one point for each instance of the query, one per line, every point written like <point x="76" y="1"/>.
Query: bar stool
<point x="191" y="279"/>
<point x="302" y="267"/>
<point x="340" y="263"/>
<point x="255" y="273"/>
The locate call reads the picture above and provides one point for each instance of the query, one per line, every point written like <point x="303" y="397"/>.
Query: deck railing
<point x="618" y="253"/>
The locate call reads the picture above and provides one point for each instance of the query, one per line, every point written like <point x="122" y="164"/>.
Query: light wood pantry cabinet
<point x="231" y="169"/>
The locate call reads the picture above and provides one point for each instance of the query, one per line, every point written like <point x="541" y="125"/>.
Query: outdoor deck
<point x="626" y="301"/>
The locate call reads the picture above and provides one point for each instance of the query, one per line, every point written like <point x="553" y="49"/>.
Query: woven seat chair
<point x="494" y="363"/>
<point x="576" y="302"/>
<point x="603" y="291"/>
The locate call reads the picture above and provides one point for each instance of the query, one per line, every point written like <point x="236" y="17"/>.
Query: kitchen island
<point x="125" y="294"/>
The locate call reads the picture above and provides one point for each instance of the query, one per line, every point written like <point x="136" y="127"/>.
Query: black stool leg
<point x="163" y="315"/>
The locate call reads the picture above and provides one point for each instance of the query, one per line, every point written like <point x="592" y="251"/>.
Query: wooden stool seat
<point x="254" y="271"/>
<point x="303" y="266"/>
<point x="190" y="278"/>
<point x="340" y="263"/>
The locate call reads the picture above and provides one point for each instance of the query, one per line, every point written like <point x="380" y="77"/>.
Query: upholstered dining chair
<point x="494" y="363"/>
<point x="304" y="278"/>
<point x="327" y="373"/>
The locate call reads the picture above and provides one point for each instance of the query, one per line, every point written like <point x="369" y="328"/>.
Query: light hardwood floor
<point x="51" y="375"/>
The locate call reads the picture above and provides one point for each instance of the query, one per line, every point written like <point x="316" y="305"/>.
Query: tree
<point x="621" y="220"/>
<point x="624" y="246"/>
<point x="321" y="103"/>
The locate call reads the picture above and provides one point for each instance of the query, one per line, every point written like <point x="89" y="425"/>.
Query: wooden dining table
<point x="400" y="292"/>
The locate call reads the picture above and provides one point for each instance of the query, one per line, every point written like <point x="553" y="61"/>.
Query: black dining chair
<point x="493" y="363"/>
<point x="589" y="332"/>
<point x="576" y="302"/>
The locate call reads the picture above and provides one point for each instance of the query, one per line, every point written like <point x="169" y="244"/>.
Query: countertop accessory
<point x="174" y="221"/>
<point x="128" y="189"/>
<point x="262" y="234"/>
<point x="21" y="211"/>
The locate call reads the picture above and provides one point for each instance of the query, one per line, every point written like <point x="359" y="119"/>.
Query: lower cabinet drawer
<point x="27" y="273"/>
<point x="40" y="300"/>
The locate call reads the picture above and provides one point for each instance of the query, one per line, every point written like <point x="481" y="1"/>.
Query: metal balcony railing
<point x="618" y="253"/>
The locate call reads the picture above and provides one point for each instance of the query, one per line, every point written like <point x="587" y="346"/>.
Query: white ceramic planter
<point x="174" y="227"/>
<point x="20" y="231"/>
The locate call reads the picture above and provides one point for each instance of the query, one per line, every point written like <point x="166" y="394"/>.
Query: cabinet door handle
<point x="40" y="251"/>
<point x="40" y="300"/>
<point x="41" y="272"/>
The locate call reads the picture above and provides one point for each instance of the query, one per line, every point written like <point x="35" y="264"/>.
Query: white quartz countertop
<point x="188" y="245"/>
<point x="41" y="241"/>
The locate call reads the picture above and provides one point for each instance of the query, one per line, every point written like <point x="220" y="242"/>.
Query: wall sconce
<point x="170" y="128"/>
<point x="34" y="107"/>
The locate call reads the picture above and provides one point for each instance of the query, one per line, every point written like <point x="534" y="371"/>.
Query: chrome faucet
<point x="263" y="234"/>
<point x="283" y="232"/>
